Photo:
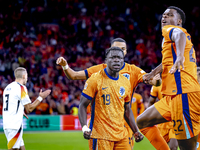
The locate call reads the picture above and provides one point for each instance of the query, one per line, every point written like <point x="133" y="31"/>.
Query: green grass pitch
<point x="66" y="140"/>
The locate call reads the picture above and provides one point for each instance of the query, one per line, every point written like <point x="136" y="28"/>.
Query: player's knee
<point x="173" y="147"/>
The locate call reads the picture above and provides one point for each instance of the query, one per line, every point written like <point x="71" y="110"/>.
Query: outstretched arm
<point x="178" y="36"/>
<point x="149" y="76"/>
<point x="82" y="115"/>
<point x="128" y="115"/>
<point x="71" y="74"/>
<point x="31" y="106"/>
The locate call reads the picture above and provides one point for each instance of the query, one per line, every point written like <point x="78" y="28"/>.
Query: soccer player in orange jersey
<point x="108" y="92"/>
<point x="198" y="79"/>
<point x="181" y="102"/>
<point x="137" y="105"/>
<point x="166" y="129"/>
<point x="131" y="72"/>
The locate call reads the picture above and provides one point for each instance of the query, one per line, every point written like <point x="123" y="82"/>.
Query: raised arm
<point x="71" y="74"/>
<point x="31" y="106"/>
<point x="82" y="115"/>
<point x="178" y="36"/>
<point x="128" y="115"/>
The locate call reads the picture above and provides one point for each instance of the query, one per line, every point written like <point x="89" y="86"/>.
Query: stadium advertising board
<point x="38" y="123"/>
<point x="41" y="123"/>
<point x="70" y="122"/>
<point x="47" y="123"/>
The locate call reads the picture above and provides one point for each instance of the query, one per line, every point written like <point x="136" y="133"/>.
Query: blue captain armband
<point x="86" y="96"/>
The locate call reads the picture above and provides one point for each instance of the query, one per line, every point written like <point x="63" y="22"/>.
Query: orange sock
<point x="155" y="138"/>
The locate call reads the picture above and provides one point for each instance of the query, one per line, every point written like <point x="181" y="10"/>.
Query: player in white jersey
<point x="15" y="99"/>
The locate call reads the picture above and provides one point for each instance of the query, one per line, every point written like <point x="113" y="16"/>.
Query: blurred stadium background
<point x="34" y="33"/>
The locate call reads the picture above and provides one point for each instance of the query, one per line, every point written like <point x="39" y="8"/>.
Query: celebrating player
<point x="108" y="91"/>
<point x="15" y="99"/>
<point x="131" y="72"/>
<point x="181" y="103"/>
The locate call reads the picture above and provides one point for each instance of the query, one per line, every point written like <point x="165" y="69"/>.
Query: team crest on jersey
<point x="85" y="87"/>
<point x="122" y="91"/>
<point x="133" y="99"/>
<point x="126" y="75"/>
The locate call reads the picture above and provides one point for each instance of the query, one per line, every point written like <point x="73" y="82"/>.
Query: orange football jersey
<point x="108" y="97"/>
<point x="133" y="73"/>
<point x="156" y="92"/>
<point x="137" y="105"/>
<point x="184" y="81"/>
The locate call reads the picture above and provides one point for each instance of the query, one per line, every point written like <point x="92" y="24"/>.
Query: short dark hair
<point x="180" y="12"/>
<point x="117" y="40"/>
<point x="198" y="68"/>
<point x="114" y="48"/>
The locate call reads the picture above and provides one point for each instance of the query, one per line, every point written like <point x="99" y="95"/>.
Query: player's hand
<point x="148" y="77"/>
<point x="61" y="61"/>
<point x="25" y="116"/>
<point x="86" y="132"/>
<point x="45" y="93"/>
<point x="87" y="135"/>
<point x="138" y="136"/>
<point x="177" y="65"/>
<point x="156" y="81"/>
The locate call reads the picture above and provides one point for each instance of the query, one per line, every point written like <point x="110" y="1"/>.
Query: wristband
<point x="65" y="67"/>
<point x="85" y="128"/>
<point x="40" y="98"/>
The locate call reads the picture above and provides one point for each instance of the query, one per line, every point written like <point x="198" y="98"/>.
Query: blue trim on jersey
<point x="177" y="74"/>
<point x="86" y="73"/>
<point x="87" y="96"/>
<point x="153" y="96"/>
<point x="170" y="33"/>
<point x="123" y="66"/>
<point x="186" y="110"/>
<point x="127" y="103"/>
<point x="110" y="76"/>
<point x="94" y="144"/>
<point x="92" y="114"/>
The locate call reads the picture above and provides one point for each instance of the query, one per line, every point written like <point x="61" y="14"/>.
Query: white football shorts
<point x="14" y="138"/>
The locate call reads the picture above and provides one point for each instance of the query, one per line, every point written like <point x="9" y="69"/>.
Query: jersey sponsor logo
<point x="122" y="91"/>
<point x="85" y="87"/>
<point x="126" y="75"/>
<point x="104" y="88"/>
<point x="174" y="91"/>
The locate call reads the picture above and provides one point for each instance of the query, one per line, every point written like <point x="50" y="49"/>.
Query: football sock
<point x="155" y="138"/>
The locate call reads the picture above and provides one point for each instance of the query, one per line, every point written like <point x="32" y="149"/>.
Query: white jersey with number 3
<point x="14" y="98"/>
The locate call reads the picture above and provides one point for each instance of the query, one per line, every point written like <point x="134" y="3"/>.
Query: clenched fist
<point x="61" y="61"/>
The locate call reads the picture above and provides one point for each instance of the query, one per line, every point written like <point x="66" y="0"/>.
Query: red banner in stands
<point x="69" y="122"/>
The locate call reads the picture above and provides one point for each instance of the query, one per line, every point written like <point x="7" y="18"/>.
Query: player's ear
<point x="179" y="22"/>
<point x="106" y="60"/>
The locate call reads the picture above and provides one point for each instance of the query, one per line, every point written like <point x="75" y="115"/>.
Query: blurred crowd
<point x="33" y="34"/>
